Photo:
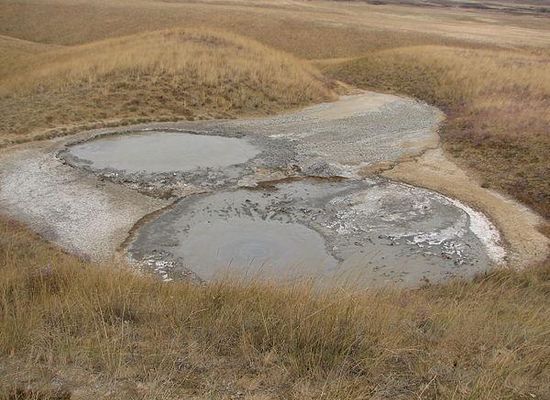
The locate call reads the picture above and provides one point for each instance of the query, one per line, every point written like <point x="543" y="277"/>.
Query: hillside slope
<point x="496" y="101"/>
<point x="70" y="329"/>
<point x="174" y="74"/>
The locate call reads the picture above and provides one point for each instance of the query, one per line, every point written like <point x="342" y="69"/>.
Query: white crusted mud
<point x="79" y="212"/>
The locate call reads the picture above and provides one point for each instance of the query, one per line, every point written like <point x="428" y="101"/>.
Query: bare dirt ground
<point x="80" y="212"/>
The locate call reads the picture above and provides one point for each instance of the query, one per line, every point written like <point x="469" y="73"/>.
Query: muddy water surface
<point x="282" y="197"/>
<point x="163" y="152"/>
<point x="254" y="247"/>
<point x="369" y="232"/>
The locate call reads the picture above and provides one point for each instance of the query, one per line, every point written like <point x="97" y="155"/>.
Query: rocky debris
<point x="322" y="169"/>
<point x="167" y="267"/>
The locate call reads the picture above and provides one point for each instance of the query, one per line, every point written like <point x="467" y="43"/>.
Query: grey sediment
<point x="325" y="146"/>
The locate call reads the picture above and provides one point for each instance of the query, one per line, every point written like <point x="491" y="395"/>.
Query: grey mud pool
<point x="163" y="152"/>
<point x="274" y="198"/>
<point x="368" y="231"/>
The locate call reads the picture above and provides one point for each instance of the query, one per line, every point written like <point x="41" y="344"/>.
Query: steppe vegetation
<point x="496" y="101"/>
<point x="97" y="331"/>
<point x="71" y="328"/>
<point x="166" y="75"/>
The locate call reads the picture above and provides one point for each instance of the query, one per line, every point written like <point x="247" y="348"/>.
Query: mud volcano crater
<point x="263" y="206"/>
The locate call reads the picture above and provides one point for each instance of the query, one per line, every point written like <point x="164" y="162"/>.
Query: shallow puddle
<point x="156" y="152"/>
<point x="370" y="232"/>
<point x="254" y="248"/>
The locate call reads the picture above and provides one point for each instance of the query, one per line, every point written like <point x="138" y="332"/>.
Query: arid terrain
<point x="382" y="127"/>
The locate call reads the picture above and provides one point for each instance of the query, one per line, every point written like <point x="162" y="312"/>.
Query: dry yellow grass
<point x="497" y="103"/>
<point x="16" y="53"/>
<point x="169" y="74"/>
<point x="70" y="327"/>
<point x="310" y="29"/>
<point x="67" y="326"/>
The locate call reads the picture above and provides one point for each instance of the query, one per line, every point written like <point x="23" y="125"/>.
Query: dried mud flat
<point x="85" y="215"/>
<point x="283" y="196"/>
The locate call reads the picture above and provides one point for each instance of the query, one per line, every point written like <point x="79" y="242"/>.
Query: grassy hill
<point x="174" y="74"/>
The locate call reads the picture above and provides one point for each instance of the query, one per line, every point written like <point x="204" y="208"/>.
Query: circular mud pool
<point x="163" y="152"/>
<point x="254" y="247"/>
<point x="368" y="232"/>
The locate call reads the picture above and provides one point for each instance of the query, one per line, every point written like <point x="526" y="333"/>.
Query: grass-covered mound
<point x="160" y="75"/>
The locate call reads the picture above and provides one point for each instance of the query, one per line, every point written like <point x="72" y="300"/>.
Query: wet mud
<point x="163" y="152"/>
<point x="370" y="231"/>
<point x="283" y="197"/>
